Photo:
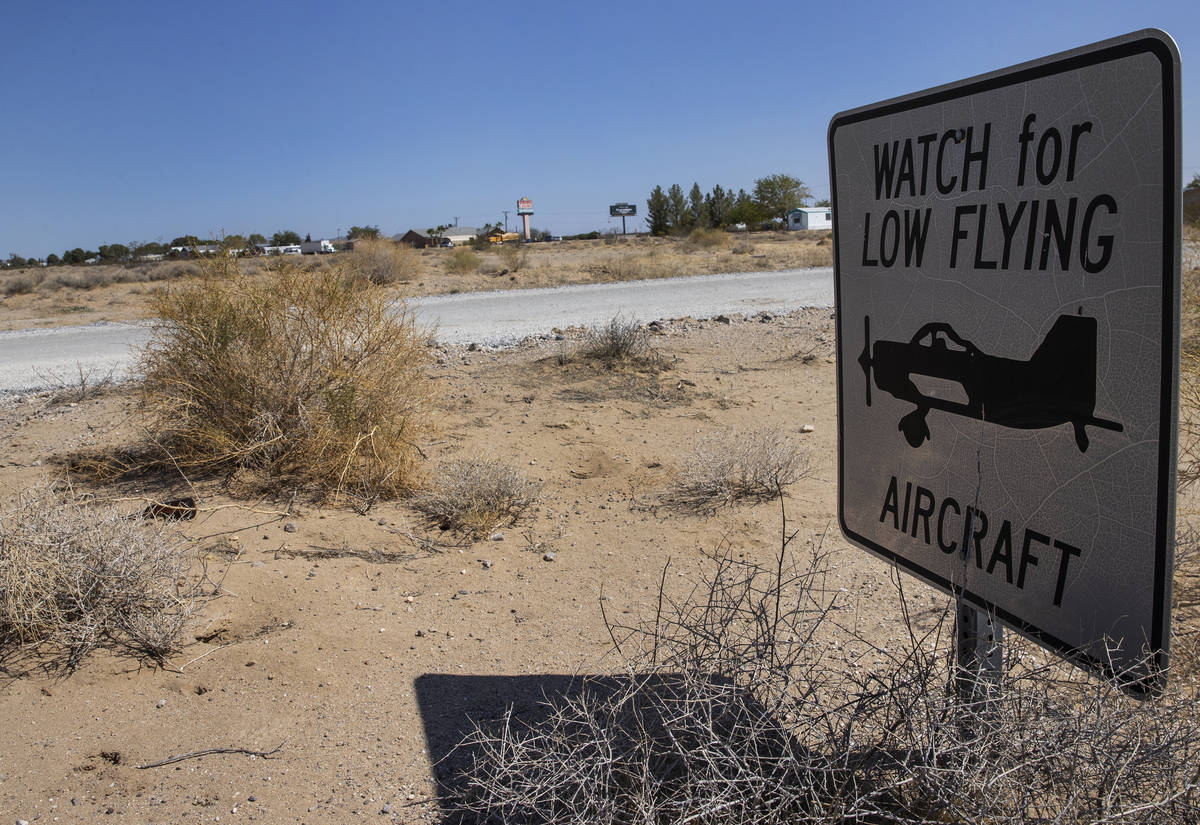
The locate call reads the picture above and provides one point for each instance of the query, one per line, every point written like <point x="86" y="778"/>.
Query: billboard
<point x="524" y="206"/>
<point x="622" y="210"/>
<point x="1007" y="286"/>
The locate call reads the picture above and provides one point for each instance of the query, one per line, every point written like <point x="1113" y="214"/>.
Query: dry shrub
<point x="735" y="706"/>
<point x="75" y="577"/>
<point x="705" y="238"/>
<point x="462" y="261"/>
<point x="22" y="282"/>
<point x="382" y="261"/>
<point x="620" y="340"/>
<point x="633" y="267"/>
<point x="727" y="467"/>
<point x="310" y="379"/>
<point x="475" y="496"/>
<point x="513" y="256"/>
<point x="743" y="248"/>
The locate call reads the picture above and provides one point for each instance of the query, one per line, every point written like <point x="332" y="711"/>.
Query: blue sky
<point x="132" y="121"/>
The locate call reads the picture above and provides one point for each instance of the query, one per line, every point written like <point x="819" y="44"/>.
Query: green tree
<point x="1195" y="184"/>
<point x="186" y="240"/>
<point x="113" y="253"/>
<point x="776" y="195"/>
<point x="53" y="260"/>
<point x="357" y="232"/>
<point x="823" y="202"/>
<point x="15" y="261"/>
<point x="657" y="208"/>
<point x="285" y="237"/>
<point x="257" y="239"/>
<point x="76" y="256"/>
<point x="233" y="242"/>
<point x="719" y="203"/>
<point x="745" y="210"/>
<point x="698" y="216"/>
<point x="677" y="209"/>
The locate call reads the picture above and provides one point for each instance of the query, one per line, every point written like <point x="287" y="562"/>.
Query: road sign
<point x="1007" y="286"/>
<point x="622" y="210"/>
<point x="524" y="206"/>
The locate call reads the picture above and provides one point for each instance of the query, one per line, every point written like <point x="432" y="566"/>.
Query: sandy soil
<point x="371" y="655"/>
<point x="64" y="296"/>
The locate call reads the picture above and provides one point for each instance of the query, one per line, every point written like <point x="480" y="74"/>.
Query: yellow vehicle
<point x="503" y="237"/>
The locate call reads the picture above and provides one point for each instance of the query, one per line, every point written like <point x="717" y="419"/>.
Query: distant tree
<point x="257" y="239"/>
<point x="76" y="256"/>
<point x="307" y="238"/>
<point x="114" y="253"/>
<point x="776" y="195"/>
<point x="677" y="209"/>
<point x="823" y="202"/>
<point x="356" y="232"/>
<point x="657" y="212"/>
<point x="719" y="202"/>
<point x="188" y="241"/>
<point x="285" y="237"/>
<point x="1195" y="183"/>
<point x="53" y="260"/>
<point x="745" y="210"/>
<point x="15" y="261"/>
<point x="233" y="242"/>
<point x="697" y="211"/>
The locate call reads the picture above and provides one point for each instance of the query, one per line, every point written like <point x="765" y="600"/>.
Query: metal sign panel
<point x="1007" y="280"/>
<point x="622" y="210"/>
<point x="524" y="206"/>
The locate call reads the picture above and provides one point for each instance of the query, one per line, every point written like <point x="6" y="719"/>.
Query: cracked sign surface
<point x="1007" y="277"/>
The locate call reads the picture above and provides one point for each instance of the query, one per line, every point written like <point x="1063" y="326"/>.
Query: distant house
<point x="810" y="217"/>
<point x="416" y="240"/>
<point x="460" y="234"/>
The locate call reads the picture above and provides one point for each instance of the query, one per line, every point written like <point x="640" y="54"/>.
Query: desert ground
<point x="358" y="648"/>
<point x="60" y="296"/>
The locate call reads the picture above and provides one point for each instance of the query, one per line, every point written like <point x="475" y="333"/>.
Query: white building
<point x="810" y="217"/>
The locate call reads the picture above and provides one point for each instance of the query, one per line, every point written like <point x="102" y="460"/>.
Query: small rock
<point x="382" y="522"/>
<point x="722" y="319"/>
<point x="252" y="798"/>
<point x="420" y="633"/>
<point x="497" y="536"/>
<point x="257" y="564"/>
<point x="807" y="428"/>
<point x="22" y="822"/>
<point x="473" y="347"/>
<point x="290" y="527"/>
<point x="558" y="336"/>
<point x="386" y="809"/>
<point x="464" y="592"/>
<point x="162" y="703"/>
<point x="487" y="564"/>
<point x="409" y="599"/>
<point x="548" y="557"/>
<point x="36" y="464"/>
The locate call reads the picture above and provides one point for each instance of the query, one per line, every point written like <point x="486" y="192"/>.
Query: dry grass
<point x="620" y="341"/>
<point x="382" y="261"/>
<point x="708" y="238"/>
<point x="297" y="378"/>
<point x="728" y="467"/>
<point x="75" y="577"/>
<point x="462" y="261"/>
<point x="475" y="496"/>
<point x="736" y="705"/>
<point x="513" y="256"/>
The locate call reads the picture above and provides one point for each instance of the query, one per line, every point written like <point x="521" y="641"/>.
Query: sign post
<point x="1007" y="281"/>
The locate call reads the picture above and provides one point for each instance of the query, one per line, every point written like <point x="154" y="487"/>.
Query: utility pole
<point x="505" y="211"/>
<point x="456" y="220"/>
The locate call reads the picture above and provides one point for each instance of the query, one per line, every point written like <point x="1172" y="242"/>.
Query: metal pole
<point x="622" y="224"/>
<point x="979" y="654"/>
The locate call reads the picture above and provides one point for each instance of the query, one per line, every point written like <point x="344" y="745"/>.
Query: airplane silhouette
<point x="1057" y="385"/>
